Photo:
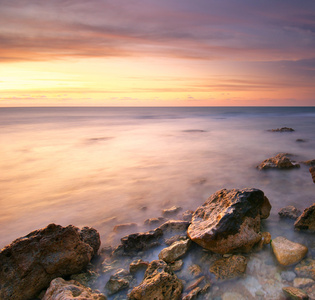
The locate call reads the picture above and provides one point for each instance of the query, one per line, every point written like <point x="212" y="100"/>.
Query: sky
<point x="157" y="53"/>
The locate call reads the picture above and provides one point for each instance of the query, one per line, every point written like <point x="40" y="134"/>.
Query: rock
<point x="194" y="270"/>
<point x="288" y="275"/>
<point x="141" y="241"/>
<point x="294" y="293"/>
<point x="60" y="289"/>
<point x="289" y="212"/>
<point x="159" y="283"/>
<point x="171" y="211"/>
<point x="29" y="263"/>
<point x="174" y="226"/>
<point x="137" y="265"/>
<point x="118" y="282"/>
<point x="310" y="163"/>
<point x="187" y="215"/>
<point x="280" y="161"/>
<point x="123" y="227"/>
<point x="192" y="294"/>
<point x="175" y="238"/>
<point x="229" y="268"/>
<point x="287" y="252"/>
<point x="154" y="221"/>
<point x="312" y="171"/>
<point x="306" y="221"/>
<point x="87" y="278"/>
<point x="301" y="140"/>
<point x="195" y="283"/>
<point x="176" y="265"/>
<point x="229" y="221"/>
<point x="306" y="268"/>
<point x="265" y="240"/>
<point x="303" y="282"/>
<point x="282" y="129"/>
<point x="175" y="251"/>
<point x="91" y="237"/>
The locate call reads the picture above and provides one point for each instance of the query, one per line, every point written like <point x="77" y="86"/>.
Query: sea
<point x="105" y="166"/>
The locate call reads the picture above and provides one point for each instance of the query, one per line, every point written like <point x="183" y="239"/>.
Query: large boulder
<point x="280" y="161"/>
<point x="60" y="289"/>
<point x="287" y="252"/>
<point x="159" y="283"/>
<point x="306" y="221"/>
<point x="29" y="263"/>
<point x="229" y="221"/>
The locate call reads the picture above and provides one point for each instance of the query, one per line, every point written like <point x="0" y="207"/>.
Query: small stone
<point x="306" y="221"/>
<point x="137" y="265"/>
<point x="176" y="265"/>
<point x="295" y="293"/>
<point x="192" y="294"/>
<point x="302" y="282"/>
<point x="171" y="211"/>
<point x="175" y="251"/>
<point x="194" y="284"/>
<point x="119" y="281"/>
<point x="280" y="161"/>
<point x="175" y="238"/>
<point x="290" y="212"/>
<point x="287" y="252"/>
<point x="123" y="227"/>
<point x="288" y="275"/>
<point x="194" y="270"/>
<point x="310" y="163"/>
<point x="282" y="129"/>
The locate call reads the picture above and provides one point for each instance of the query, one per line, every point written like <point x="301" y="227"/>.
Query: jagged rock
<point x="29" y="263"/>
<point x="174" y="226"/>
<point x="306" y="221"/>
<point x="187" y="215"/>
<point x="140" y="241"/>
<point x="86" y="278"/>
<point x="119" y="281"/>
<point x="123" y="227"/>
<point x="295" y="293"/>
<point x="312" y="171"/>
<point x="176" y="265"/>
<point x="159" y="283"/>
<point x="175" y="238"/>
<point x="137" y="265"/>
<point x="194" y="270"/>
<point x="228" y="268"/>
<point x="60" y="289"/>
<point x="280" y="161"/>
<point x="175" y="251"/>
<point x="229" y="220"/>
<point x="171" y="211"/>
<point x="91" y="237"/>
<point x="282" y="129"/>
<point x="287" y="252"/>
<point x="154" y="221"/>
<point x="306" y="268"/>
<point x="289" y="212"/>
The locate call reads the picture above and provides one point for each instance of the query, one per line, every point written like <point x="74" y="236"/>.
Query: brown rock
<point x="119" y="281"/>
<point x="192" y="294"/>
<point x="229" y="221"/>
<point x="159" y="283"/>
<point x="280" y="161"/>
<point x="123" y="227"/>
<point x="154" y="221"/>
<point x="306" y="268"/>
<point x="310" y="163"/>
<point x="175" y="238"/>
<point x="91" y="237"/>
<point x="306" y="221"/>
<point x="295" y="293"/>
<point x="174" y="226"/>
<point x="137" y="265"/>
<point x="282" y="129"/>
<point x="303" y="282"/>
<point x="60" y="289"/>
<point x="287" y="252"/>
<point x="229" y="268"/>
<point x="175" y="251"/>
<point x="290" y="212"/>
<point x="312" y="171"/>
<point x="171" y="211"/>
<point x="30" y="263"/>
<point x="176" y="265"/>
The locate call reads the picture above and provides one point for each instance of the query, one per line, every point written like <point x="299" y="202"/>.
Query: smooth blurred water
<point x="105" y="166"/>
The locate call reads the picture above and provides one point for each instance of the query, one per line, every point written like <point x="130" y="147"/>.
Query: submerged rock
<point x="282" y="129"/>
<point x="229" y="220"/>
<point x="174" y="226"/>
<point x="159" y="282"/>
<point x="187" y="215"/>
<point x="295" y="293"/>
<point x="60" y="289"/>
<point x="287" y="252"/>
<point x="306" y="268"/>
<point x="171" y="211"/>
<point x="280" y="161"/>
<point x="306" y="221"/>
<point x="289" y="212"/>
<point x="123" y="227"/>
<point x="312" y="171"/>
<point x="29" y="263"/>
<point x="229" y="268"/>
<point x="154" y="221"/>
<point x="119" y="281"/>
<point x="310" y="163"/>
<point x="175" y="251"/>
<point x="137" y="265"/>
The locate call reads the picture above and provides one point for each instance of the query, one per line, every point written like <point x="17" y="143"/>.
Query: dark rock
<point x="176" y="265"/>
<point x="61" y="289"/>
<point x="91" y="237"/>
<point x="312" y="171"/>
<point x="229" y="220"/>
<point x="118" y="282"/>
<point x="229" y="268"/>
<point x="282" y="129"/>
<point x="159" y="282"/>
<point x="294" y="293"/>
<point x="301" y="140"/>
<point x="306" y="221"/>
<point x="280" y="161"/>
<point x="30" y="263"/>
<point x="289" y="212"/>
<point x="310" y="163"/>
<point x="171" y="211"/>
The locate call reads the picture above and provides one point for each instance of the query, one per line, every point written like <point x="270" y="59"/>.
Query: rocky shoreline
<point x="220" y="251"/>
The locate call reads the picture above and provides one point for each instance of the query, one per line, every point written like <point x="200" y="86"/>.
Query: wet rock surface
<point x="280" y="161"/>
<point x="306" y="221"/>
<point x="29" y="263"/>
<point x="282" y="129"/>
<point x="229" y="220"/>
<point x="60" y="289"/>
<point x="174" y="210"/>
<point x="175" y="251"/>
<point x="118" y="281"/>
<point x="289" y="212"/>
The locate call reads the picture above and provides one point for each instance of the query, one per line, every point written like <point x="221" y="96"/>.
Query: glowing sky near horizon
<point x="157" y="53"/>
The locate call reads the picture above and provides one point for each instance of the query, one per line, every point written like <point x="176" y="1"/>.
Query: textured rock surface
<point x="118" y="281"/>
<point x="91" y="237"/>
<point x="60" y="289"/>
<point x="312" y="171"/>
<point x="290" y="212"/>
<point x="306" y="221"/>
<point x="175" y="251"/>
<point x="228" y="268"/>
<point x="282" y="129"/>
<point x="229" y="220"/>
<point x="287" y="252"/>
<point x="29" y="263"/>
<point x="159" y="283"/>
<point x="174" y="226"/>
<point x="171" y="211"/>
<point x="137" y="265"/>
<point x="280" y="161"/>
<point x="295" y="293"/>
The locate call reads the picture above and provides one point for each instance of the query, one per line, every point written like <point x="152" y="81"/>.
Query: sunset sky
<point x="157" y="53"/>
